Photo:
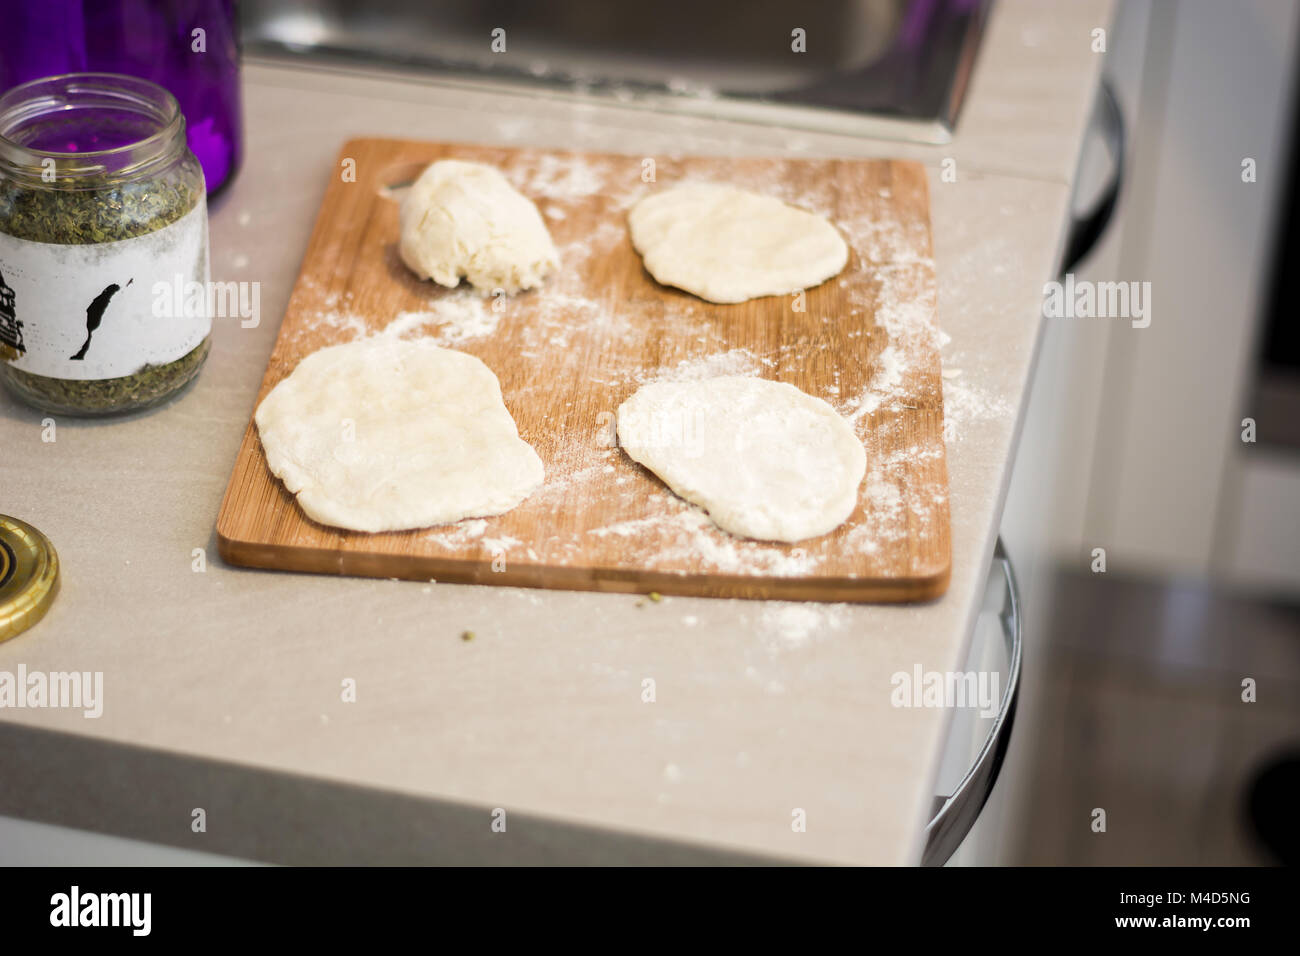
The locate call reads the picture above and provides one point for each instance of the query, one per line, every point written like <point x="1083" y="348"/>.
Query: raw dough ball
<point x="764" y="459"/>
<point x="728" y="245"/>
<point x="385" y="434"/>
<point x="465" y="219"/>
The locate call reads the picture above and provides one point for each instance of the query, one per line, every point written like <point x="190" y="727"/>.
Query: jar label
<point x="106" y="309"/>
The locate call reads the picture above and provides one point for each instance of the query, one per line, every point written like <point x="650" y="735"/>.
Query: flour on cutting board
<point x="336" y="314"/>
<point x="736" y="361"/>
<point x="457" y="317"/>
<point x="685" y="532"/>
<point x="889" y="282"/>
<point x="560" y="178"/>
<point x="457" y="535"/>
<point x="885" y="384"/>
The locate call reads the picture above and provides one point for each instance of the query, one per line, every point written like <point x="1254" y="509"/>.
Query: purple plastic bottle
<point x="189" y="47"/>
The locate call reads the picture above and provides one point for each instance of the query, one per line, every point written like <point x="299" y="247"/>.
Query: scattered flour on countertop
<point x="685" y="86"/>
<point x="513" y="127"/>
<point x="965" y="404"/>
<point x="797" y="625"/>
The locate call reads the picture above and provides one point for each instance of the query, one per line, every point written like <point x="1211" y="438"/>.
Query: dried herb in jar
<point x="87" y="234"/>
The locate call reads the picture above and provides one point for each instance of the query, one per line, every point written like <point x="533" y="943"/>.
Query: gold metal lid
<point x="29" y="576"/>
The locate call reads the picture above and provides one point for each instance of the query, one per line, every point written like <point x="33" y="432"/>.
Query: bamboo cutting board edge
<point x="272" y="557"/>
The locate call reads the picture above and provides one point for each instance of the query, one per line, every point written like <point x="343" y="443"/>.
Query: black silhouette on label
<point x="11" y="330"/>
<point x="95" y="315"/>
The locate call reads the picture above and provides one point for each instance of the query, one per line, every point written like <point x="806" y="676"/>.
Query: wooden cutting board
<point x="569" y="353"/>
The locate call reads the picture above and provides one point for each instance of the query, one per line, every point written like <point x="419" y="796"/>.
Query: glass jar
<point x="103" y="245"/>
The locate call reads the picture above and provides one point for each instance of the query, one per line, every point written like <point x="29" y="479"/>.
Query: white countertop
<point x="222" y="688"/>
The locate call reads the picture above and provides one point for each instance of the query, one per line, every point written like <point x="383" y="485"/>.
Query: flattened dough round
<point x="764" y="459"/>
<point x="728" y="245"/>
<point x="465" y="219"/>
<point x="387" y="434"/>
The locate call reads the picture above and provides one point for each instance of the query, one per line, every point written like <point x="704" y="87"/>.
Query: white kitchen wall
<point x="1215" y="91"/>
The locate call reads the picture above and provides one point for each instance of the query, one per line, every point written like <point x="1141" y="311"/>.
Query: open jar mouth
<point x="81" y="124"/>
